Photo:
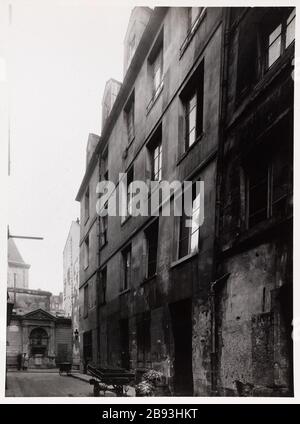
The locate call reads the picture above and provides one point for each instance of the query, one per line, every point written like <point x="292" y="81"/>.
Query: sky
<point x="61" y="53"/>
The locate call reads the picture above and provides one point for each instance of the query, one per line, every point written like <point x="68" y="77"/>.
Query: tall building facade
<point x="57" y="304"/>
<point x="198" y="302"/>
<point x="71" y="285"/>
<point x="253" y="299"/>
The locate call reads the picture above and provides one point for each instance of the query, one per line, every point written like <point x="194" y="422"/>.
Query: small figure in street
<point x="19" y="361"/>
<point x="25" y="362"/>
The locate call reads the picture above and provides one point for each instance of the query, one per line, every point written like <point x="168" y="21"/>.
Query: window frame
<point x="148" y="234"/>
<point x="282" y="36"/>
<point x="271" y="202"/>
<point x="194" y="87"/>
<point x="156" y="57"/>
<point x="188" y="230"/>
<point x="86" y="252"/>
<point x="129" y="114"/>
<point x="86" y="205"/>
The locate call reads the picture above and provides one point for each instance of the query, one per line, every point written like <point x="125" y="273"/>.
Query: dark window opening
<point x="38" y="341"/>
<point x="268" y="187"/>
<point x="87" y="205"/>
<point x="143" y="335"/>
<point x="129" y="118"/>
<point x="126" y="259"/>
<point x="86" y="252"/>
<point x="152" y="246"/>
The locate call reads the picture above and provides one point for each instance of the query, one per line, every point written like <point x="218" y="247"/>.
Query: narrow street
<point x="43" y="384"/>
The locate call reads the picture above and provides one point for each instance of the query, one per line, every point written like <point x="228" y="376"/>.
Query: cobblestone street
<point x="43" y="384"/>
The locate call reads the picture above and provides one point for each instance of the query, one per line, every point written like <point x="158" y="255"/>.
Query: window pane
<point x="192" y="137"/>
<point x="274" y="52"/>
<point x="192" y="102"/>
<point x="194" y="241"/>
<point x="275" y="34"/>
<point x="157" y="162"/>
<point x="157" y="72"/>
<point x="290" y="30"/>
<point x="192" y="119"/>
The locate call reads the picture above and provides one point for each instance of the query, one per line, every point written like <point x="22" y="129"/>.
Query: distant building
<point x="33" y="330"/>
<point x="71" y="285"/>
<point x="56" y="304"/>
<point x="17" y="268"/>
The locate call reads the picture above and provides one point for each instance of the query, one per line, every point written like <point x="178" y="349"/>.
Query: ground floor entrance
<point x="181" y="318"/>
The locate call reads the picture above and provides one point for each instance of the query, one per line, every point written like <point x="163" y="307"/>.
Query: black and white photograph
<point x="148" y="152"/>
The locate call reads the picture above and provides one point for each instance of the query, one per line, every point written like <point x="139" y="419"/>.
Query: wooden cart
<point x="104" y="377"/>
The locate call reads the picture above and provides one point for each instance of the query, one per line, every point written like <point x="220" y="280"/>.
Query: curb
<point x="80" y="377"/>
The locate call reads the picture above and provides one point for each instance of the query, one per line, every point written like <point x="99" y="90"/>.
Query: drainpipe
<point x="219" y="176"/>
<point x="214" y="286"/>
<point x="98" y="273"/>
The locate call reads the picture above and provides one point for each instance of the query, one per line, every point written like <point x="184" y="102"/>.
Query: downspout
<point x="98" y="273"/>
<point x="219" y="178"/>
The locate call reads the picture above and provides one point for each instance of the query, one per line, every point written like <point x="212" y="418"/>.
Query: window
<point x="194" y="17"/>
<point x="280" y="36"/>
<point x="104" y="166"/>
<point x="87" y="205"/>
<point x="189" y="234"/>
<point x="152" y="246"/>
<point x="129" y="190"/>
<point x="155" y="152"/>
<point x="86" y="253"/>
<point x="129" y="117"/>
<point x="85" y="301"/>
<point x="267" y="188"/>
<point x="103" y="227"/>
<point x="131" y="48"/>
<point x="126" y="259"/>
<point x="156" y="69"/>
<point x="157" y="72"/>
<point x="192" y="99"/>
<point x="102" y="286"/>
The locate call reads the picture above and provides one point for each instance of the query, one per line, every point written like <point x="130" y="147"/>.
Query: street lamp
<point x="76" y="334"/>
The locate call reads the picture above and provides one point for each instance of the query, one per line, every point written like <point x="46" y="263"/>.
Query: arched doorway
<point x="38" y="342"/>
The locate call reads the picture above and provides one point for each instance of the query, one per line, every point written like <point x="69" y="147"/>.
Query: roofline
<point x="131" y="74"/>
<point x="19" y="264"/>
<point x="140" y="7"/>
<point x="25" y="316"/>
<point x="23" y="290"/>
